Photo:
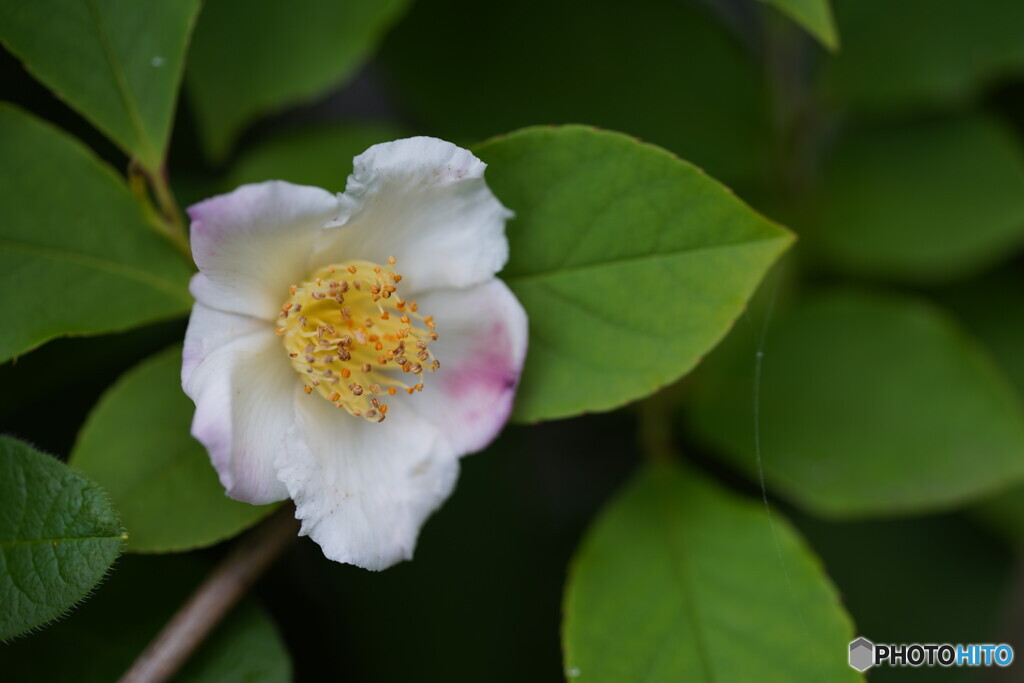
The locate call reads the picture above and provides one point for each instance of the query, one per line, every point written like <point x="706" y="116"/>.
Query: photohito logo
<point x="864" y="654"/>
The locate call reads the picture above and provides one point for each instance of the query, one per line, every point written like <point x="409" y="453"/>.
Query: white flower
<point x="318" y="316"/>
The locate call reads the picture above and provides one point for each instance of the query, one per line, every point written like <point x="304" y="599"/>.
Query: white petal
<point x="208" y="330"/>
<point x="481" y="347"/>
<point x="362" y="489"/>
<point x="251" y="244"/>
<point x="425" y="202"/>
<point x="243" y="391"/>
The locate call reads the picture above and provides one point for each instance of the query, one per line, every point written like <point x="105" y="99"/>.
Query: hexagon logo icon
<point x="862" y="654"/>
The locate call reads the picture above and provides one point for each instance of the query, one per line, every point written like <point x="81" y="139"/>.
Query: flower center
<point x="353" y="340"/>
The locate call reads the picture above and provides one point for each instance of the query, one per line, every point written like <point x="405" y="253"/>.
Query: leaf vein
<point x="640" y="258"/>
<point x="120" y="269"/>
<point x="122" y="82"/>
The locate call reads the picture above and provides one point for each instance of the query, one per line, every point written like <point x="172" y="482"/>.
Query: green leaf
<point x="58" y="537"/>
<point x="871" y="404"/>
<point x="679" y="580"/>
<point x="921" y="202"/>
<point x="631" y="264"/>
<point x="814" y="15"/>
<point x="136" y="443"/>
<point x="985" y="306"/>
<point x="98" y="642"/>
<point x="117" y="62"/>
<point x="247" y="648"/>
<point x="318" y="156"/>
<point x="75" y="246"/>
<point x="250" y="58"/>
<point x="667" y="72"/>
<point x="920" y="53"/>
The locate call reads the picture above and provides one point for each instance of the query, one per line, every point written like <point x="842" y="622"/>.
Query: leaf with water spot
<point x="117" y="62"/>
<point x="58" y="537"/>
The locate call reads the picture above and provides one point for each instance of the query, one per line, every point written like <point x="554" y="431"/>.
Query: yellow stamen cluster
<point x="353" y="340"/>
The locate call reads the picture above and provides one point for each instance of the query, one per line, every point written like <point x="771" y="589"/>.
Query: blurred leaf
<point x="814" y="15"/>
<point x="665" y="71"/>
<point x="871" y="404"/>
<point x="99" y="641"/>
<point x="320" y="156"/>
<point x="917" y="53"/>
<point x="680" y="580"/>
<point x="250" y="58"/>
<point x="988" y="307"/>
<point x="246" y="648"/>
<point x="58" y="537"/>
<point x="890" y="574"/>
<point x="614" y="319"/>
<point x="136" y="444"/>
<point x="921" y="202"/>
<point x="1004" y="514"/>
<point x="76" y="253"/>
<point x="117" y="62"/>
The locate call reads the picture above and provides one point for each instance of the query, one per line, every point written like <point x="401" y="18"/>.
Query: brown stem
<point x="213" y="599"/>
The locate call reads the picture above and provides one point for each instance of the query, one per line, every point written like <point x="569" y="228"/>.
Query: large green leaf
<point x="118" y="62"/>
<point x="254" y="57"/>
<point x="916" y="53"/>
<point x="76" y="252"/>
<point x="926" y="201"/>
<point x="58" y="537"/>
<point x="99" y="641"/>
<point x="871" y="404"/>
<point x="319" y="156"/>
<point x="679" y="580"/>
<point x="137" y="445"/>
<point x="814" y="15"/>
<point x="631" y="264"/>
<point x="665" y="71"/>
